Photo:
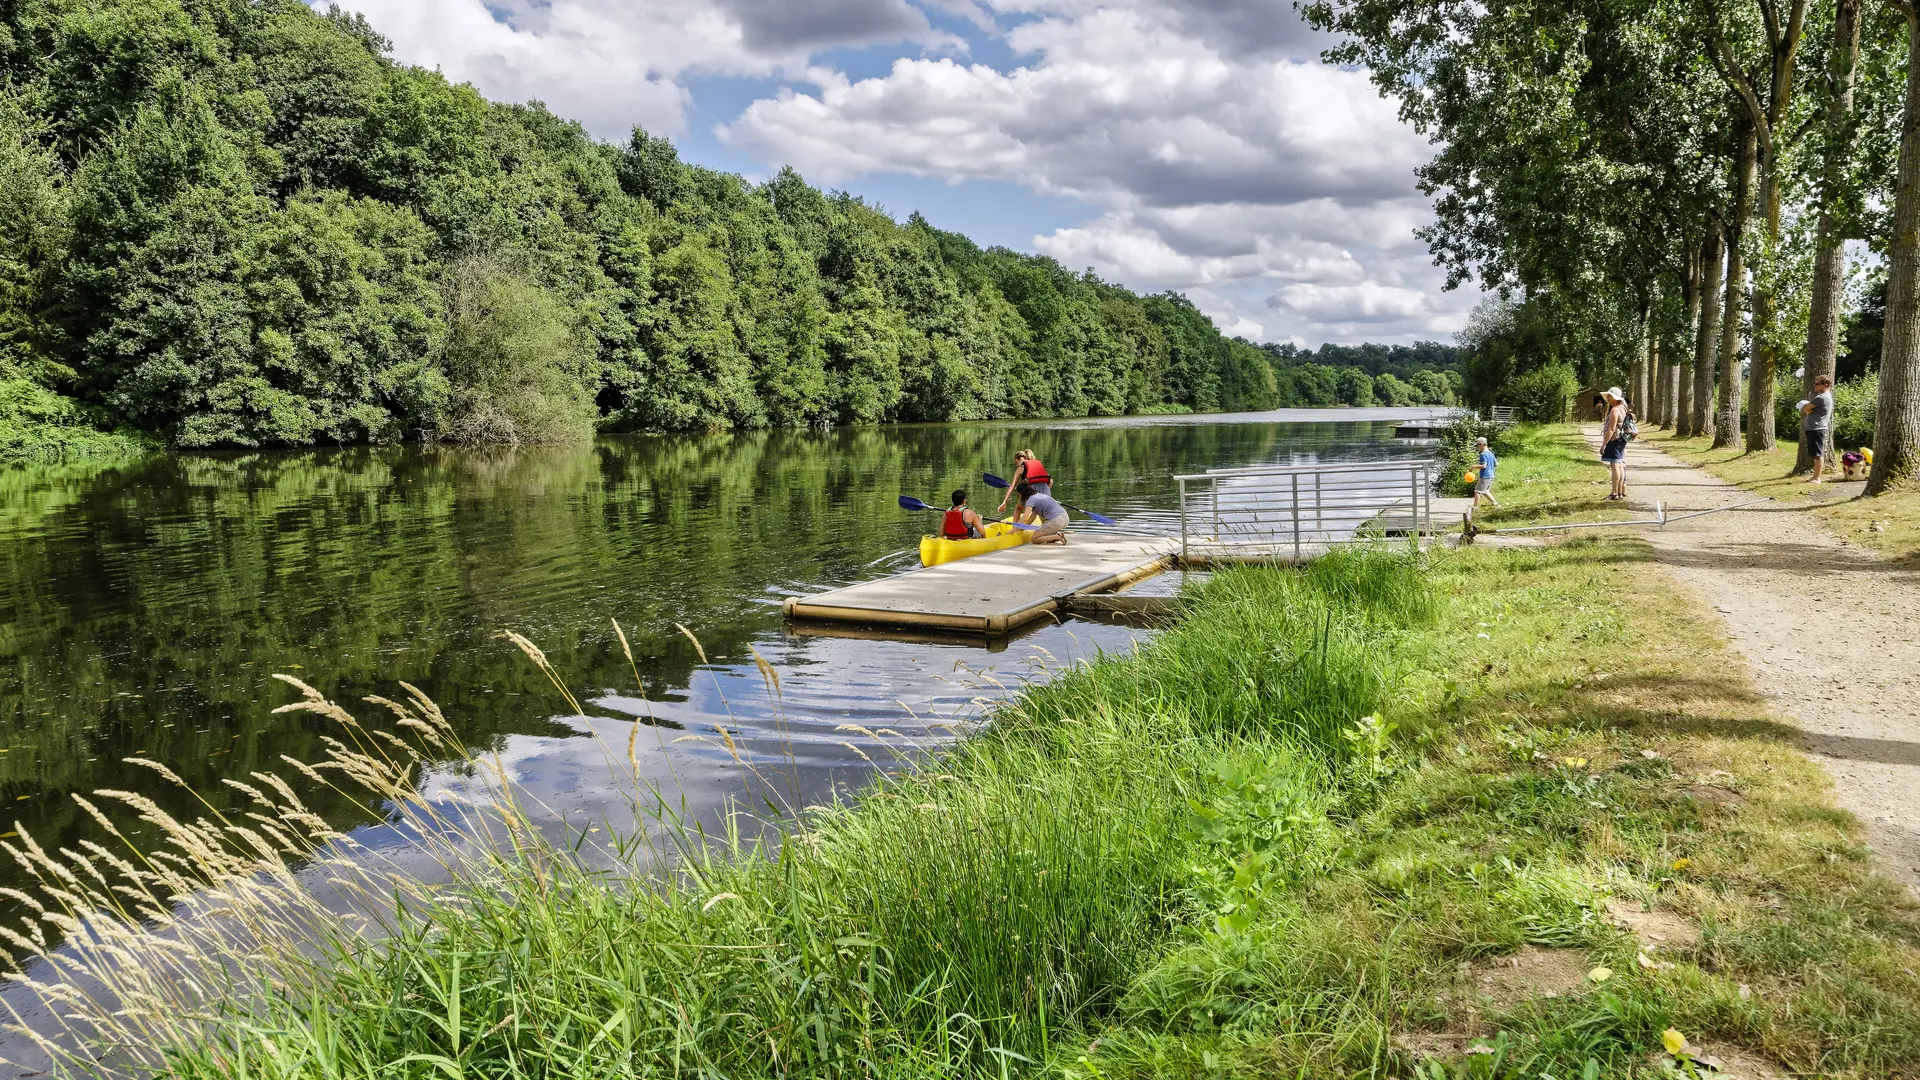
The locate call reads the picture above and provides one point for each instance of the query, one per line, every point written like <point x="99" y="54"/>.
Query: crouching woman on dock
<point x="1051" y="515"/>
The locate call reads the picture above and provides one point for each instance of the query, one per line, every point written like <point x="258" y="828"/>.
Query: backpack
<point x="1631" y="429"/>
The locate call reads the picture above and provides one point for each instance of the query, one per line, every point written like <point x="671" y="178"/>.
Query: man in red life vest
<point x="1027" y="471"/>
<point x="960" y="522"/>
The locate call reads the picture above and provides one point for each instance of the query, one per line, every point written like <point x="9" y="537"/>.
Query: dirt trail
<point x="1828" y="628"/>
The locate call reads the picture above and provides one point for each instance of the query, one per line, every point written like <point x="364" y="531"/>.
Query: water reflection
<point x="144" y="606"/>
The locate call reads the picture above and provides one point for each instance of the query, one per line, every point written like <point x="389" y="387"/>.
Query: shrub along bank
<point x="1380" y="816"/>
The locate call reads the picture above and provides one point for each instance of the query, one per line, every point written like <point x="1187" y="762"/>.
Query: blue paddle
<point x="995" y="482"/>
<point x="908" y="502"/>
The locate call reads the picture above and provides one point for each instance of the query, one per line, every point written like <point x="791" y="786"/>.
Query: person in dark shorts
<point x="1816" y="425"/>
<point x="1613" y="439"/>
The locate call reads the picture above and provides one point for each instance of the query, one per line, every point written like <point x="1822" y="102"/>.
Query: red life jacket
<point x="1036" y="473"/>
<point x="954" y="525"/>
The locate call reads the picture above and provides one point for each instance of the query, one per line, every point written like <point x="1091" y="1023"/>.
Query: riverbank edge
<point x="23" y="441"/>
<point x="27" y="441"/>
<point x="1572" y="828"/>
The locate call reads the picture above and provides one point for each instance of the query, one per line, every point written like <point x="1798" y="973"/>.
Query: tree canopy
<point x="1660" y="193"/>
<point x="243" y="223"/>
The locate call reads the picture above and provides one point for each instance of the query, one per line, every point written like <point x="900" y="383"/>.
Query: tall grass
<point x="971" y="916"/>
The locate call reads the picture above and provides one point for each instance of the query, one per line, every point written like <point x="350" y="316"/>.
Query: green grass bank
<point x="1487" y="813"/>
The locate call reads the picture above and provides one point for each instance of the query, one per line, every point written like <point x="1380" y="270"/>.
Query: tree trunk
<point x="1702" y="406"/>
<point x="1683" y="404"/>
<point x="1784" y="46"/>
<point x="1651" y="380"/>
<point x="1765" y="366"/>
<point x="1829" y="248"/>
<point x="1670" y="376"/>
<point x="1656" y="384"/>
<point x="1637" y="374"/>
<point x="1726" y="420"/>
<point x="1683" y="386"/>
<point x="1896" y="429"/>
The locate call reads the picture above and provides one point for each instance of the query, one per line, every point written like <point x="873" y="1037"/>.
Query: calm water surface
<point x="145" y="606"/>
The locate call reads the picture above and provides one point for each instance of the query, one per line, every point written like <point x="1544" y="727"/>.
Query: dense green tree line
<point x="241" y="223"/>
<point x="1661" y="194"/>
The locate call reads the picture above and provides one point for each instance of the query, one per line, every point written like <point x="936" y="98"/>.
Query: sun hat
<point x="1614" y="393"/>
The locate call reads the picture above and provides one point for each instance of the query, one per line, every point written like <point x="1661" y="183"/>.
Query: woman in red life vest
<point x="960" y="522"/>
<point x="1028" y="473"/>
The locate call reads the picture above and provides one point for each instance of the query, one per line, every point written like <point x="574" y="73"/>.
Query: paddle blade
<point x="908" y="502"/>
<point x="994" y="481"/>
<point x="1101" y="518"/>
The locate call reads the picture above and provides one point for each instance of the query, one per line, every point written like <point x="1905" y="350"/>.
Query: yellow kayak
<point x="935" y="550"/>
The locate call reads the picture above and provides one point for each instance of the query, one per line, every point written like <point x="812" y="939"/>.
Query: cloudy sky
<point x="1197" y="145"/>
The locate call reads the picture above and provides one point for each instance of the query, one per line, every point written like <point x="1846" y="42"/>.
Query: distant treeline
<point x="1422" y="374"/>
<point x="241" y="223"/>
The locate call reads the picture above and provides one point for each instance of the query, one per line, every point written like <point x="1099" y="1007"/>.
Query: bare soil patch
<point x="1657" y="928"/>
<point x="1503" y="982"/>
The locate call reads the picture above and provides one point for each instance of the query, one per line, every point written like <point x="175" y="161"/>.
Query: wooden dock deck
<point x="992" y="594"/>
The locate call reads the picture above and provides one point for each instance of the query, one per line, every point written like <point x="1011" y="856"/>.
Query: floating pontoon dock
<point x="992" y="594"/>
<point x="1261" y="514"/>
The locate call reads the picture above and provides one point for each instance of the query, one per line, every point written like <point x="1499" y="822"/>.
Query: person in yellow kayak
<point x="961" y="522"/>
<point x="1027" y="473"/>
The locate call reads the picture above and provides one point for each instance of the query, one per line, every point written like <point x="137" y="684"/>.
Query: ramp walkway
<point x="994" y="593"/>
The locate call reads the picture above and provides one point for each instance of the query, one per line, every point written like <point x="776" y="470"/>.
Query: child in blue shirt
<point x="1483" y="485"/>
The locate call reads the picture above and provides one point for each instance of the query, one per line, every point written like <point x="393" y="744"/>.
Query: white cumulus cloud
<point x="612" y="64"/>
<point x="1215" y="153"/>
<point x="1222" y="161"/>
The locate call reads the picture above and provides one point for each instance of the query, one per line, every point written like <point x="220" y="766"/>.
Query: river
<point x="144" y="606"/>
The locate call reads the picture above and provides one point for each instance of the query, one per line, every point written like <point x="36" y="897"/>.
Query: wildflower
<point x="1682" y="863"/>
<point x="1673" y="1041"/>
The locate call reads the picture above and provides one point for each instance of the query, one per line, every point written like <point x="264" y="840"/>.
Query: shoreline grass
<point x="1300" y="833"/>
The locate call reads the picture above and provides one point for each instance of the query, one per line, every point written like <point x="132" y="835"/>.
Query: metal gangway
<point x="1291" y="513"/>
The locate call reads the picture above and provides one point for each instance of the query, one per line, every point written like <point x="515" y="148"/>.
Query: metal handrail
<point x="1268" y="507"/>
<point x="1328" y="467"/>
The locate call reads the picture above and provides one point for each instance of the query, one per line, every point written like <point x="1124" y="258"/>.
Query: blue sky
<point x="1196" y="145"/>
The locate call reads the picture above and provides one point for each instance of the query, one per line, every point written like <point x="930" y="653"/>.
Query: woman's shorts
<point x="1051" y="526"/>
<point x="1616" y="450"/>
<point x="1483" y="486"/>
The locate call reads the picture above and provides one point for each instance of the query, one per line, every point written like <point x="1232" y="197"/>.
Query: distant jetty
<point x="1435" y="427"/>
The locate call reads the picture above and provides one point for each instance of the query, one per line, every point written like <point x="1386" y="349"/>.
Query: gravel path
<point x="1829" y="629"/>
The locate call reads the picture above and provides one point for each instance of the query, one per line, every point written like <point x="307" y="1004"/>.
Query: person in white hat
<point x="1613" y="438"/>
